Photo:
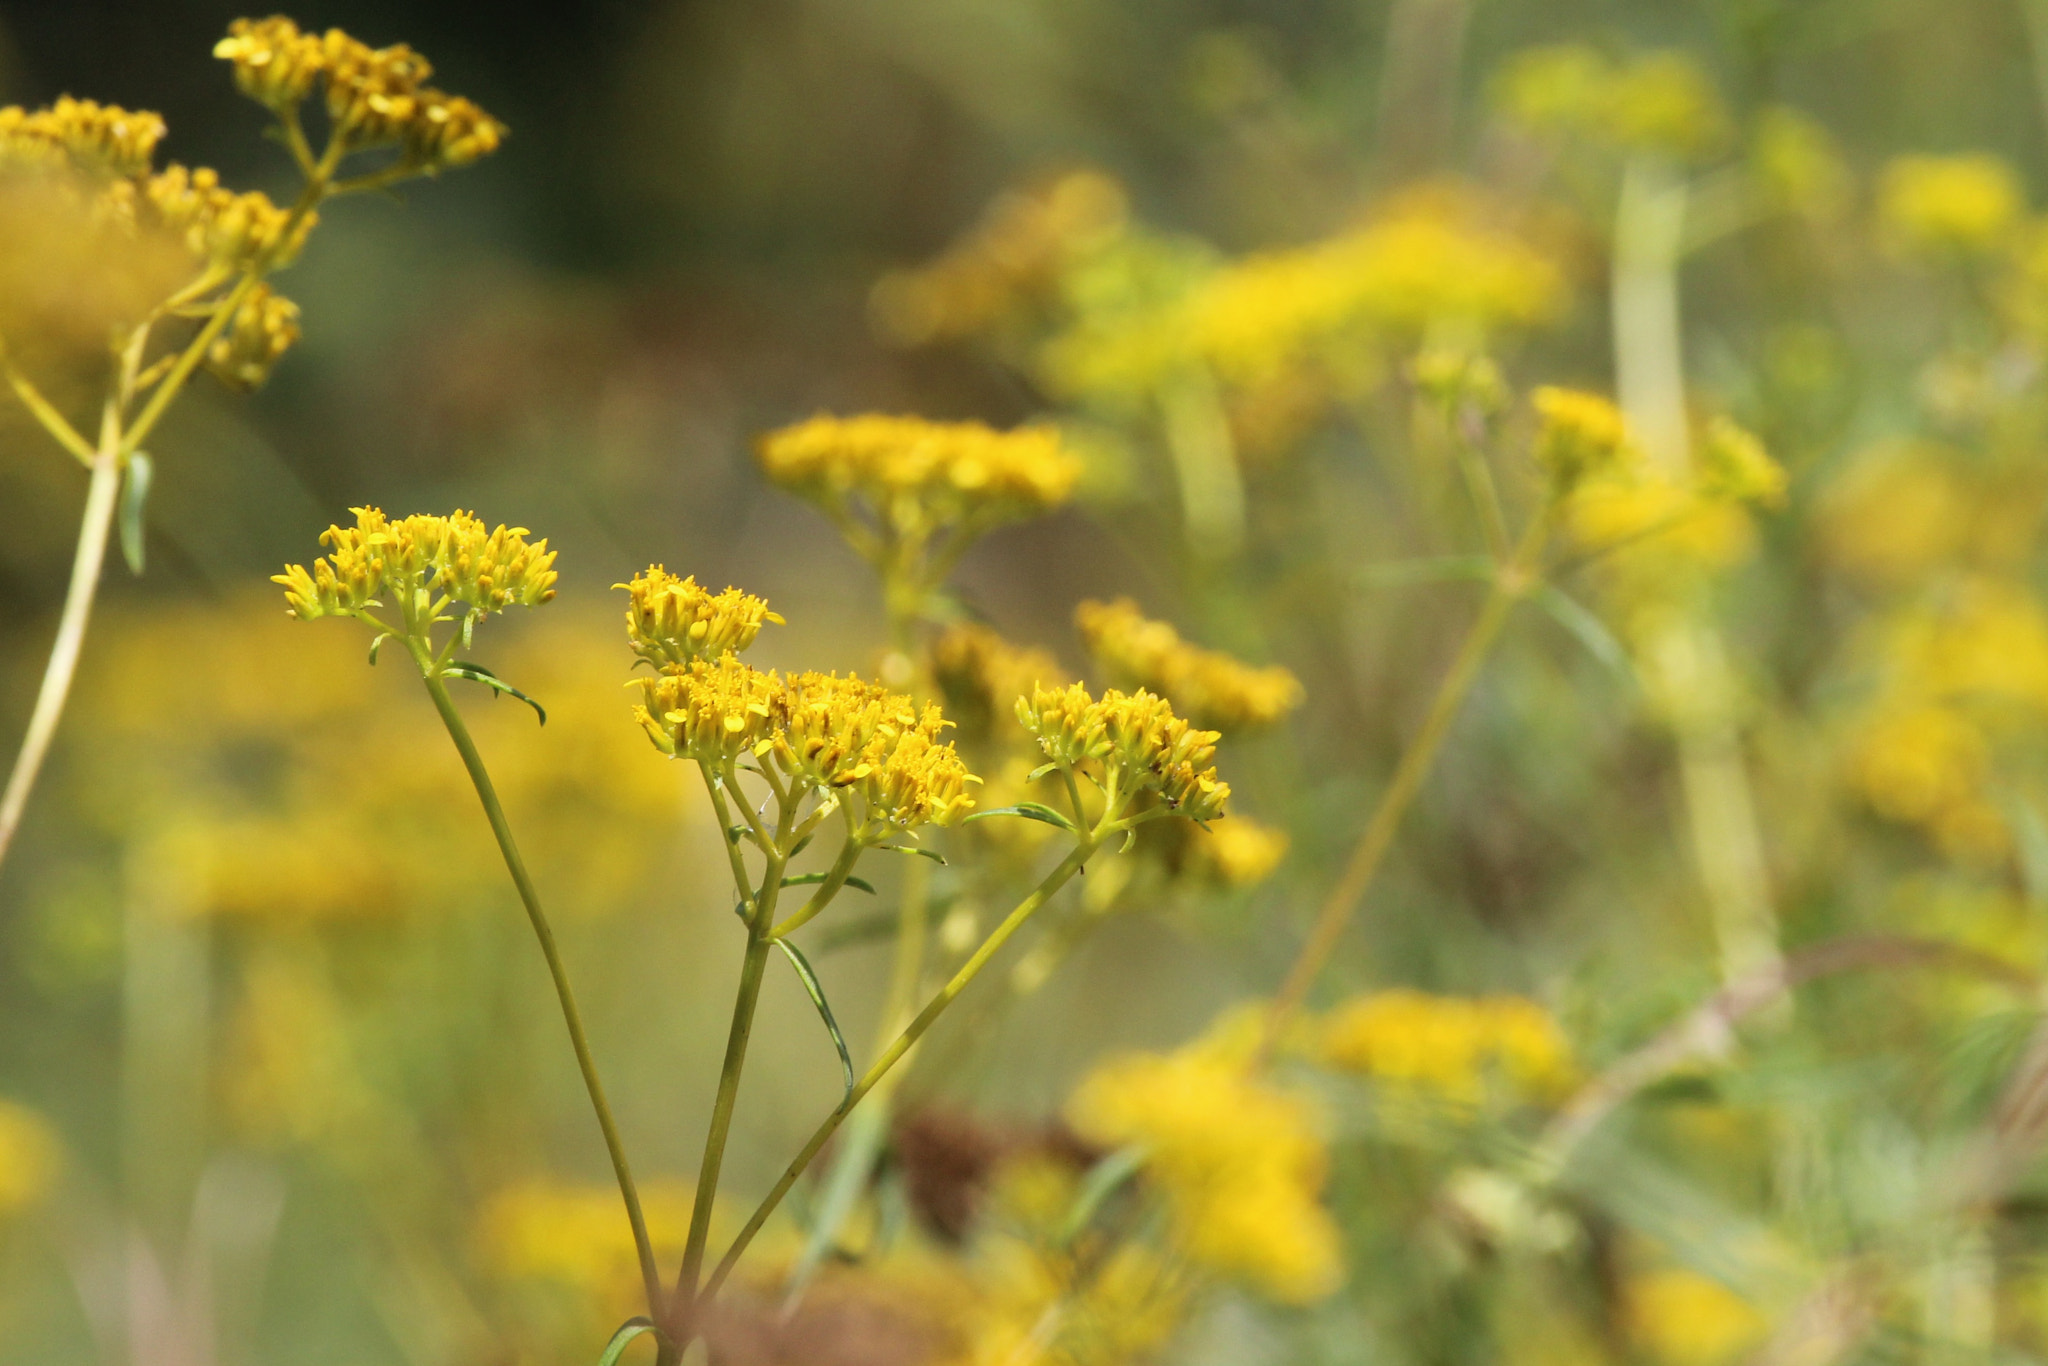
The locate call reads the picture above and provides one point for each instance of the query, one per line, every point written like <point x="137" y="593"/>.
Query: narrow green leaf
<point x="1436" y="569"/>
<point x="1034" y="811"/>
<point x="816" y="992"/>
<point x="934" y="855"/>
<point x="477" y="673"/>
<point x="377" y="645"/>
<point x="812" y="879"/>
<point x="1584" y="627"/>
<point x="802" y="845"/>
<point x="134" y="503"/>
<point x="1039" y="772"/>
<point x="1102" y="1181"/>
<point x="630" y="1329"/>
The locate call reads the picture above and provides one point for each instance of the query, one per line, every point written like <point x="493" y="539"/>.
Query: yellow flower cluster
<point x="29" y="1157"/>
<point x="917" y="476"/>
<point x="1208" y="685"/>
<point x="1450" y="1047"/>
<point x="1240" y="1162"/>
<point x="673" y="621"/>
<point x="1578" y="435"/>
<point x="1939" y="206"/>
<point x="484" y="569"/>
<point x="81" y="135"/>
<point x="1118" y="1308"/>
<point x="264" y="327"/>
<point x="375" y="96"/>
<point x="216" y="224"/>
<point x="1658" y="102"/>
<point x="1140" y="743"/>
<point x="1681" y="1318"/>
<point x="821" y="731"/>
<point x="1013" y="255"/>
<point x="575" y="1235"/>
<point x="1240" y="852"/>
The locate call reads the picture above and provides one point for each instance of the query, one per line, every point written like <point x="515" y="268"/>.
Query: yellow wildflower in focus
<point x="1682" y="1318"/>
<point x="1578" y="434"/>
<point x="1241" y="852"/>
<point x="1208" y="684"/>
<point x="673" y="621"/>
<point x="1011" y="256"/>
<point x="1240" y="1163"/>
<point x="842" y="733"/>
<point x="30" y="1156"/>
<point x="484" y="570"/>
<point x="1452" y="1047"/>
<point x="1964" y="205"/>
<point x="275" y="64"/>
<point x="711" y="712"/>
<point x="1131" y="744"/>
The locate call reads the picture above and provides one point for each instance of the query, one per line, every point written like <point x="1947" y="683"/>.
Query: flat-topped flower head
<point x="1578" y="434"/>
<point x="712" y="712"/>
<point x="673" y="622"/>
<point x="917" y="476"/>
<point x="376" y="97"/>
<point x="846" y="733"/>
<point x="1135" y="740"/>
<point x="88" y="136"/>
<point x="219" y="225"/>
<point x="1207" y="684"/>
<point x="484" y="569"/>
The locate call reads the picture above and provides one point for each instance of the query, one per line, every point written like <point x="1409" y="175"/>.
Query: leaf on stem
<point x="376" y="645"/>
<point x="1034" y="811"/>
<point x="816" y="992"/>
<point x="812" y="879"/>
<point x="477" y="673"/>
<point x="1102" y="1181"/>
<point x="630" y="1329"/>
<point x="934" y="855"/>
<point x="1586" y="628"/>
<point x="134" y="503"/>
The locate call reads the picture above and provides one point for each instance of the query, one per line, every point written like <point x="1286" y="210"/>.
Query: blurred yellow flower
<point x="1240" y="852"/>
<point x="1135" y="740"/>
<point x="1927" y="765"/>
<point x="1208" y="685"/>
<point x="1685" y="1319"/>
<point x="1239" y="1160"/>
<point x="1659" y="102"/>
<point x="30" y="1156"/>
<point x="576" y="1235"/>
<point x="1964" y="205"/>
<point x="1455" y="1048"/>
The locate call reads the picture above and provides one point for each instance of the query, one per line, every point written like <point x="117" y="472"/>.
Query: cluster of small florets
<point x="216" y="224"/>
<point x="916" y="475"/>
<point x="376" y="97"/>
<point x="1451" y="1046"/>
<point x="1137" y="741"/>
<point x="81" y="135"/>
<point x="1208" y="684"/>
<point x="485" y="569"/>
<point x="673" y="621"/>
<point x="1578" y="434"/>
<point x="263" y="328"/>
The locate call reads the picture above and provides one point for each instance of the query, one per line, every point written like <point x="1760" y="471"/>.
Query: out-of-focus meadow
<point x="1694" y="1013"/>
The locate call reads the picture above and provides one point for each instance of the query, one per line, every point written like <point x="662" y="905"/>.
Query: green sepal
<point x="630" y="1329"/>
<point x="477" y="673"/>
<point x="812" y="879"/>
<point x="1034" y="811"/>
<point x="816" y="992"/>
<point x="134" y="503"/>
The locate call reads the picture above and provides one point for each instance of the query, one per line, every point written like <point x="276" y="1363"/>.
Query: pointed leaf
<point x="1035" y="774"/>
<point x="134" y="503"/>
<point x="1102" y="1181"/>
<point x="816" y="992"/>
<point x="802" y="845"/>
<point x="1034" y="811"/>
<point x="1585" y="627"/>
<point x="377" y="645"/>
<point x="630" y="1329"/>
<point x="934" y="855"/>
<point x="477" y="673"/>
<point x="812" y="879"/>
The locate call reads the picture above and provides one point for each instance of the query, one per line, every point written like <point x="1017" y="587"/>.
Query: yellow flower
<point x="484" y="570"/>
<point x="1684" y="1319"/>
<point x="98" y="138"/>
<point x="263" y="328"/>
<point x="1139" y="744"/>
<point x="30" y="1156"/>
<point x="1927" y="766"/>
<point x="1799" y="164"/>
<point x="1451" y="1047"/>
<point x="1579" y="434"/>
<point x="216" y="224"/>
<point x="1660" y="102"/>
<point x="917" y="477"/>
<point x="709" y="711"/>
<point x="1121" y="1308"/>
<point x="1239" y="1161"/>
<point x="1241" y="852"/>
<point x="1899" y="511"/>
<point x="275" y="64"/>
<point x="673" y="621"/>
<point x="843" y="733"/>
<point x="1207" y="684"/>
<point x="1941" y="205"/>
<point x="1735" y="466"/>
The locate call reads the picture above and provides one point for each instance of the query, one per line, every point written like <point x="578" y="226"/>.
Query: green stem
<point x="650" y="1272"/>
<point x="46" y="413"/>
<point x="1510" y="586"/>
<point x="835" y="879"/>
<point x="903" y="1043"/>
